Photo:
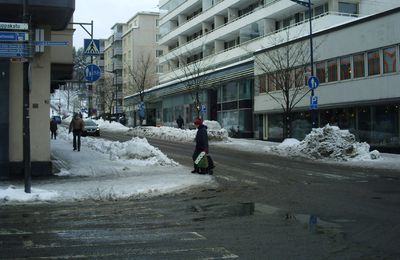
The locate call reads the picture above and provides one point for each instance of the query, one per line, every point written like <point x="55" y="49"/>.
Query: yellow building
<point x="49" y="65"/>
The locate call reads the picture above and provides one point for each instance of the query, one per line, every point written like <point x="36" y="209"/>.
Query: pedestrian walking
<point x="179" y="121"/>
<point x="53" y="128"/>
<point x="202" y="146"/>
<point x="76" y="127"/>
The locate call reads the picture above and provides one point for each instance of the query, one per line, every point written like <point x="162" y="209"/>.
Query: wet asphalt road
<point x="264" y="207"/>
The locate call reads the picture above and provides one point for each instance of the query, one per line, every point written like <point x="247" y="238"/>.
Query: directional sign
<point x="92" y="72"/>
<point x="13" y="36"/>
<point x="14" y="50"/>
<point x="91" y="47"/>
<point x="14" y="26"/>
<point x="313" y="82"/>
<point x="314" y="102"/>
<point x="51" y="43"/>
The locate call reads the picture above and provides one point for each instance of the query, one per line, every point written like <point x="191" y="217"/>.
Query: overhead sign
<point x="314" y="102"/>
<point x="313" y="82"/>
<point x="91" y="47"/>
<point x="92" y="72"/>
<point x="51" y="43"/>
<point x="14" y="26"/>
<point x="14" y="50"/>
<point x="13" y="36"/>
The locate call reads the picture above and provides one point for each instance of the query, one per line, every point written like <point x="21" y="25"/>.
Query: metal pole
<point x="313" y="111"/>
<point x="26" y="105"/>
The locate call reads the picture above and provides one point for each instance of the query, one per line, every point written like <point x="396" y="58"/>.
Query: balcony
<point x="117" y="51"/>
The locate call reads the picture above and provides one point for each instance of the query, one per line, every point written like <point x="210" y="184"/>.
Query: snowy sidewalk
<point x="106" y="170"/>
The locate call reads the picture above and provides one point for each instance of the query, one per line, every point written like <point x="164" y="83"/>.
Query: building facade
<point x="357" y="64"/>
<point x="222" y="36"/>
<point x="49" y="66"/>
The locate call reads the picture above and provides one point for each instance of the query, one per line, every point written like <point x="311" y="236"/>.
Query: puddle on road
<point x="311" y="222"/>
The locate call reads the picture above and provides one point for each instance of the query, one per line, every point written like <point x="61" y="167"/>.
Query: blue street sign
<point x="141" y="110"/>
<point x="203" y="108"/>
<point x="92" y="72"/>
<point x="91" y="47"/>
<point x="14" y="50"/>
<point x="14" y="36"/>
<point x="314" y="102"/>
<point x="51" y="43"/>
<point x="313" y="82"/>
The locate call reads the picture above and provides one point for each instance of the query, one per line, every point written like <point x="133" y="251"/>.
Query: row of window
<point x="359" y="65"/>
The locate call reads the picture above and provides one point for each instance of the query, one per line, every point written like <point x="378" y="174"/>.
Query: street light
<point x="308" y="5"/>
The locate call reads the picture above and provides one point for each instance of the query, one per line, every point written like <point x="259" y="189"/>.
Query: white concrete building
<point x="223" y="34"/>
<point x="357" y="64"/>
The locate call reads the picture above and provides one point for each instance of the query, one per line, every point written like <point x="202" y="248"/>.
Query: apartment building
<point x="357" y="64"/>
<point x="222" y="35"/>
<point x="49" y="66"/>
<point x="139" y="61"/>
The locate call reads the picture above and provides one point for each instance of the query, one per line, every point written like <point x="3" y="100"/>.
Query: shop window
<point x="358" y="65"/>
<point x="385" y="125"/>
<point x="374" y="63"/>
<point x="245" y="120"/>
<point x="229" y="92"/>
<point x="332" y="70"/>
<point x="389" y="60"/>
<point x="321" y="73"/>
<point x="364" y="123"/>
<point x="345" y="68"/>
<point x="275" y="127"/>
<point x="245" y="89"/>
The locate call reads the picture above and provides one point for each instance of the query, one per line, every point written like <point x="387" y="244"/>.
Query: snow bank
<point x="329" y="143"/>
<point x="214" y="130"/>
<point x="110" y="126"/>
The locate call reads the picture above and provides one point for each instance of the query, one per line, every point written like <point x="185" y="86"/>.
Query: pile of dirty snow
<point x="214" y="130"/>
<point x="329" y="142"/>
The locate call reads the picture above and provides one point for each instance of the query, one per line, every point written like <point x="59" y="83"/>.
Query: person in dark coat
<point x="201" y="146"/>
<point x="53" y="128"/>
<point x="76" y="127"/>
<point x="179" y="121"/>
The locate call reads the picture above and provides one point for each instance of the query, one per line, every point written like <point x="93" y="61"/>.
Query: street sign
<point x="313" y="82"/>
<point x="142" y="108"/>
<point x="92" y="72"/>
<point x="14" y="50"/>
<point x="51" y="43"/>
<point x="314" y="102"/>
<point x="13" y="36"/>
<point x="203" y="108"/>
<point x="14" y="26"/>
<point x="91" y="47"/>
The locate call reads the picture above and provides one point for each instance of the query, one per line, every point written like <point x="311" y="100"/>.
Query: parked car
<point x="57" y="118"/>
<point x="91" y="128"/>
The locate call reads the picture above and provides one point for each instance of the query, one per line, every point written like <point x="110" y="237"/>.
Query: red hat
<point x="198" y="121"/>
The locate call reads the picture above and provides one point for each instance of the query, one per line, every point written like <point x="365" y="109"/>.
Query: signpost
<point x="51" y="43"/>
<point x="92" y="72"/>
<point x="14" y="26"/>
<point x="13" y="36"/>
<point x="91" y="47"/>
<point x="14" y="50"/>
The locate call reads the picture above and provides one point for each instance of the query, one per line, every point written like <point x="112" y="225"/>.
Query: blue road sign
<point x="14" y="36"/>
<point x="314" y="102"/>
<point x="51" y="43"/>
<point x="313" y="82"/>
<point x="92" y="72"/>
<point x="14" y="50"/>
<point x="203" y="108"/>
<point x="142" y="108"/>
<point x="91" y="47"/>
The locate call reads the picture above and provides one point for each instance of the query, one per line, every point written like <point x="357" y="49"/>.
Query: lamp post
<point x="308" y="5"/>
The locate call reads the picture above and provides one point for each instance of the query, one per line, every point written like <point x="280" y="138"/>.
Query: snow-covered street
<point x="111" y="170"/>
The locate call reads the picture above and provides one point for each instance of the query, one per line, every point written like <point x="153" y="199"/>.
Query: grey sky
<point x="105" y="13"/>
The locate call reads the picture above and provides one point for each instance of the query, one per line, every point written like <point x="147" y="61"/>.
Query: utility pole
<point x="26" y="104"/>
<point x="309" y="5"/>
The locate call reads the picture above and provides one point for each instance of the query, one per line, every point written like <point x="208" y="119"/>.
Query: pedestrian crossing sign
<point x="91" y="47"/>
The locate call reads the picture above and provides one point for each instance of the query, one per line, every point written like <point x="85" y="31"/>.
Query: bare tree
<point x="141" y="76"/>
<point x="106" y="93"/>
<point x="193" y="71"/>
<point x="285" y="70"/>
